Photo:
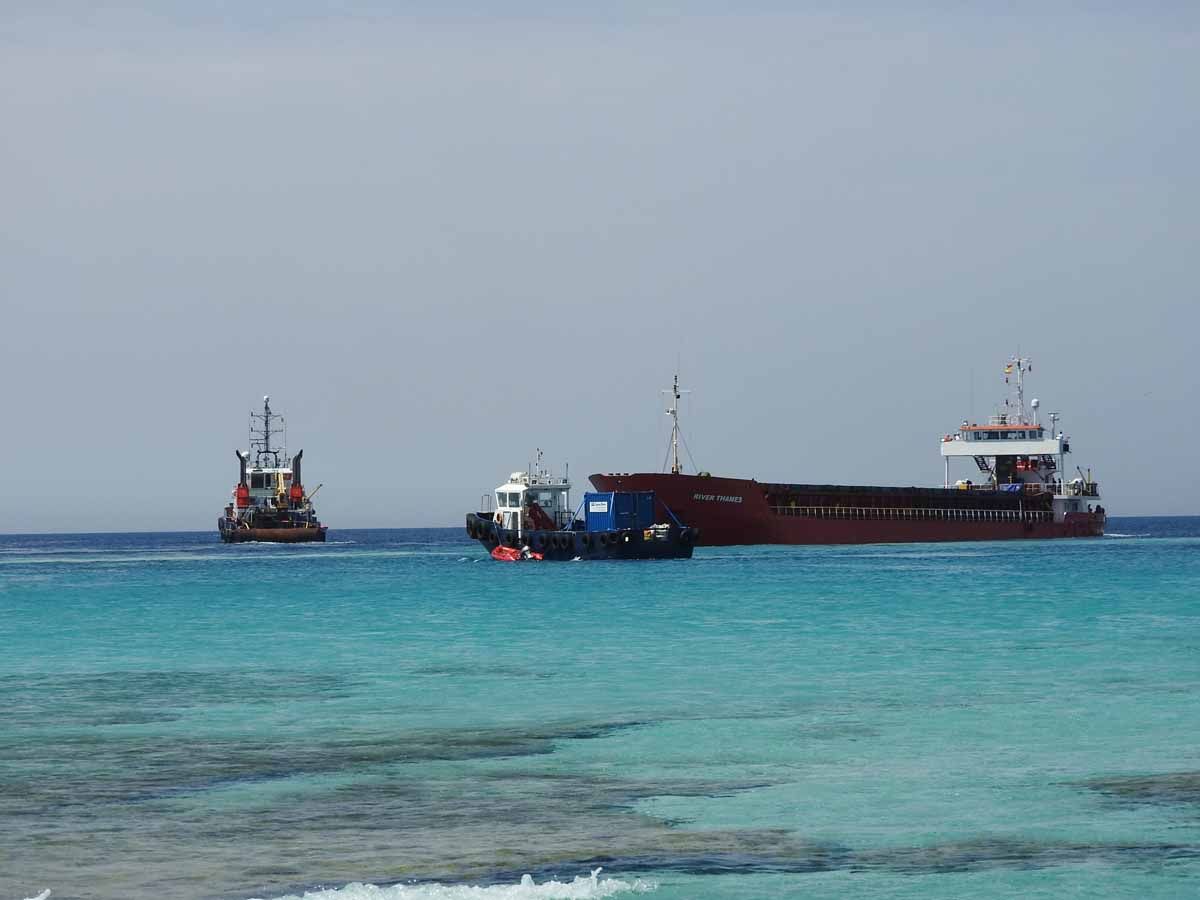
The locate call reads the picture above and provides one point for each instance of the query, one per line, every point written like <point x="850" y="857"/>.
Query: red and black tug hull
<point x="293" y="535"/>
<point x="627" y="543"/>
<point x="743" y="511"/>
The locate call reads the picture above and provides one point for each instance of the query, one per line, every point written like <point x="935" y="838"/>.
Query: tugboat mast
<point x="260" y="438"/>
<point x="673" y="412"/>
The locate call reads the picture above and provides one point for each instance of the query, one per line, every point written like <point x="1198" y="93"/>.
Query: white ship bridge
<point x="1015" y="452"/>
<point x="533" y="500"/>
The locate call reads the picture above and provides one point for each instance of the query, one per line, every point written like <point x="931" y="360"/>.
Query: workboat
<point x="1022" y="488"/>
<point x="269" y="501"/>
<point x="531" y="519"/>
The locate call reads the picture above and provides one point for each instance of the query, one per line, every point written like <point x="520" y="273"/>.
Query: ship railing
<point x="914" y="514"/>
<point x="1029" y="487"/>
<point x="1037" y="488"/>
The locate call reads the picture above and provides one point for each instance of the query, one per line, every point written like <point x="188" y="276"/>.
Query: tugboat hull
<point x="627" y="543"/>
<point x="271" y="535"/>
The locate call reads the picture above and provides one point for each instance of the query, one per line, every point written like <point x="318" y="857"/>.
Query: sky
<point x="441" y="236"/>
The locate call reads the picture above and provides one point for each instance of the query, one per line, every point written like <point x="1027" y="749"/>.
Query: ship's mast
<point x="1019" y="365"/>
<point x="673" y="412"/>
<point x="260" y="438"/>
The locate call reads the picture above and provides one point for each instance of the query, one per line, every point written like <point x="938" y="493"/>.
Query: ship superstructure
<point x="269" y="501"/>
<point x="1023" y="491"/>
<point x="1015" y="453"/>
<point x="534" y="500"/>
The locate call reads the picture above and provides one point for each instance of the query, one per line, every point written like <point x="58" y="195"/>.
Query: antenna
<point x="673" y="412"/>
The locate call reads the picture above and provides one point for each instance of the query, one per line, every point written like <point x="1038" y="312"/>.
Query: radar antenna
<point x="268" y="424"/>
<point x="673" y="411"/>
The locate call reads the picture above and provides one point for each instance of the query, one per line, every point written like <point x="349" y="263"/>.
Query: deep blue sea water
<point x="183" y="719"/>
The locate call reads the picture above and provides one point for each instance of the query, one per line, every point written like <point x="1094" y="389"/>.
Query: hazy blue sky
<point x="441" y="238"/>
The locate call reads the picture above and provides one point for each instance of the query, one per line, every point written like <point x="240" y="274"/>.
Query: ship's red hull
<point x="739" y="511"/>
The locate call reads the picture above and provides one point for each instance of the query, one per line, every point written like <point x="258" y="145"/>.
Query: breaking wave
<point x="581" y="888"/>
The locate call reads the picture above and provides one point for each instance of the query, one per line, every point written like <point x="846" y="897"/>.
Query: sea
<point x="394" y="715"/>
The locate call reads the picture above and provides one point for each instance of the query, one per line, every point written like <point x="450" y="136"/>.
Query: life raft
<point x="512" y="554"/>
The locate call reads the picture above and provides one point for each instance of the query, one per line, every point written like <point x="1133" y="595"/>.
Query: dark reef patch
<point x="1171" y="788"/>
<point x="97" y="768"/>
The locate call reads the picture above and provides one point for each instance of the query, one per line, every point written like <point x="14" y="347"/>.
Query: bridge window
<point x="257" y="480"/>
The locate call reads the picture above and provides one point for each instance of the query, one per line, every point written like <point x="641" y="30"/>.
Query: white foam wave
<point x="580" y="888"/>
<point x="42" y="896"/>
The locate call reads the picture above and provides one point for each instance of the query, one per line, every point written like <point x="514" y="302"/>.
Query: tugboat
<point x="269" y="501"/>
<point x="532" y="520"/>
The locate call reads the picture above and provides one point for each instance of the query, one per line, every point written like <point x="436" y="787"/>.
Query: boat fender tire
<point x="539" y="542"/>
<point x="586" y="541"/>
<point x="471" y="530"/>
<point x="685" y="536"/>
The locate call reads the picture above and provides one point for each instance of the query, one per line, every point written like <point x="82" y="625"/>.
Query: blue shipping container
<point x="598" y="511"/>
<point x="615" y="510"/>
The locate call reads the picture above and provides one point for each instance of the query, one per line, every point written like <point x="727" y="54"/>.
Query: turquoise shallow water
<point x="180" y="719"/>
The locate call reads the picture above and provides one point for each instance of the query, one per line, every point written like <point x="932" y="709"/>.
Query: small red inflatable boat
<point x="512" y="554"/>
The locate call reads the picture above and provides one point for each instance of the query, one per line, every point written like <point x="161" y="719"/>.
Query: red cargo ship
<point x="1025" y="492"/>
